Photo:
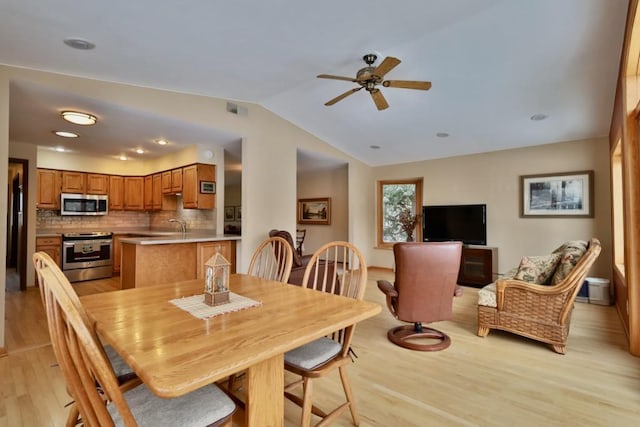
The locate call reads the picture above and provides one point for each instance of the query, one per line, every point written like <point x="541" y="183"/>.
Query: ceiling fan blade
<point x="407" y="84"/>
<point x="385" y="66"/>
<point x="379" y="100"/>
<point x="343" y="96"/>
<point x="329" y="76"/>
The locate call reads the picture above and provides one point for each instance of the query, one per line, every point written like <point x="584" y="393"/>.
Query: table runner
<point x="196" y="306"/>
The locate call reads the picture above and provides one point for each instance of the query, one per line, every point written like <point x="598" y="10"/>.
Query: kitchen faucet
<point x="182" y="222"/>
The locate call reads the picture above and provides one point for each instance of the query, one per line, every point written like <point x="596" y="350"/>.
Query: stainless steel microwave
<point x="83" y="204"/>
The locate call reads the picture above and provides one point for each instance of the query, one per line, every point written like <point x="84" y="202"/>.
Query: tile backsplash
<point x="197" y="219"/>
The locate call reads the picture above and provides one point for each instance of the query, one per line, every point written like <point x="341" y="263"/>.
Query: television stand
<point x="478" y="266"/>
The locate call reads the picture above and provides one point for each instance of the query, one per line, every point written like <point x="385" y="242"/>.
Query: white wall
<point x="493" y="178"/>
<point x="331" y="183"/>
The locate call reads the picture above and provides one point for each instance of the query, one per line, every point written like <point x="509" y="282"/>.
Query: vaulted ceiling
<point x="493" y="65"/>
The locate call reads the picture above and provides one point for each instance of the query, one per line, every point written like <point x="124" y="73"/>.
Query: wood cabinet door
<point x="166" y="182"/>
<point x="49" y="183"/>
<point x="148" y="192"/>
<point x="74" y="182"/>
<point x="476" y="266"/>
<point x="134" y="193"/>
<point x="116" y="193"/>
<point x="156" y="188"/>
<point x="176" y="180"/>
<point x="206" y="250"/>
<point x="97" y="184"/>
<point x="192" y="175"/>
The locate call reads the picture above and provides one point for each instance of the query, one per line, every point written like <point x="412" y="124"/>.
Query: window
<point x="394" y="197"/>
<point x="617" y="208"/>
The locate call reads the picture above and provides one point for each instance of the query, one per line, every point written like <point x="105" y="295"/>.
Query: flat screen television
<point x="465" y="223"/>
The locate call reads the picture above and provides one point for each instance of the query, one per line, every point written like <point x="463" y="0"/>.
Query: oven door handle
<point x="81" y="258"/>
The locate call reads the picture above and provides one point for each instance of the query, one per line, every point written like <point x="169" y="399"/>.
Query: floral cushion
<point x="571" y="252"/>
<point x="487" y="295"/>
<point x="537" y="269"/>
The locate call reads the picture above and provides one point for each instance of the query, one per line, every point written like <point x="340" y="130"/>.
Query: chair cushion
<point x="571" y="252"/>
<point x="487" y="295"/>
<point x="120" y="367"/>
<point x="199" y="408"/>
<point x="313" y="354"/>
<point x="537" y="269"/>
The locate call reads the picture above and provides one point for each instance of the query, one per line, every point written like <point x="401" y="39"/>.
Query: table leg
<point x="265" y="393"/>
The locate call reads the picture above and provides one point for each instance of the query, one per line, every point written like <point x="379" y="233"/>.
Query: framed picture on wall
<point x="557" y="195"/>
<point x="229" y="213"/>
<point x="314" y="211"/>
<point x="238" y="212"/>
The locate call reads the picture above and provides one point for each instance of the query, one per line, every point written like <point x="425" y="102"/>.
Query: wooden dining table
<point x="174" y="352"/>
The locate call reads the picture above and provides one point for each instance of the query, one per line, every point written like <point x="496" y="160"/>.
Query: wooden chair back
<point x="272" y="260"/>
<point x="338" y="268"/>
<point x="81" y="356"/>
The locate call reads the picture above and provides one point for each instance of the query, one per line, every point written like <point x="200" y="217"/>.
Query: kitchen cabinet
<point x="148" y="193"/>
<point x="205" y="250"/>
<point x="49" y="185"/>
<point x="97" y="183"/>
<point x="116" y="193"/>
<point x="192" y="175"/>
<point x="133" y="193"/>
<point x="74" y="182"/>
<point x="172" y="181"/>
<point x="52" y="246"/>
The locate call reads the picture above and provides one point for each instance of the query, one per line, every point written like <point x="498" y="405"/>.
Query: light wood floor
<point x="500" y="380"/>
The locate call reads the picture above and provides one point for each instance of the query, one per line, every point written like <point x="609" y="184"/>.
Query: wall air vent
<point x="237" y="109"/>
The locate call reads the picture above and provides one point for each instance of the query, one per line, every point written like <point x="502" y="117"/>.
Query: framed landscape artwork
<point x="314" y="211"/>
<point x="559" y="195"/>
<point x="229" y="213"/>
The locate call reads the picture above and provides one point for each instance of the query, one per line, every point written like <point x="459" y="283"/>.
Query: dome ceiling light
<point x="65" y="134"/>
<point x="78" y="118"/>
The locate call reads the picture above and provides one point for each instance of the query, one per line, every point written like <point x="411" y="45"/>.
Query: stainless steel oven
<point x="87" y="255"/>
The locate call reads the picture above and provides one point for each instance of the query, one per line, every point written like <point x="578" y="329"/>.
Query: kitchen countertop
<point x="151" y="237"/>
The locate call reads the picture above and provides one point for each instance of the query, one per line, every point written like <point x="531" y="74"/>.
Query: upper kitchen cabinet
<point x="116" y="193"/>
<point x="49" y="184"/>
<point x="172" y="181"/>
<point x="148" y="193"/>
<point x="134" y="193"/>
<point x="97" y="183"/>
<point x="195" y="195"/>
<point x="74" y="182"/>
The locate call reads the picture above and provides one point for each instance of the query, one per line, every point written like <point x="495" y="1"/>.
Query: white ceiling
<point x="493" y="64"/>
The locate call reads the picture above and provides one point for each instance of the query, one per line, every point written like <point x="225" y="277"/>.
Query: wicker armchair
<point x="539" y="312"/>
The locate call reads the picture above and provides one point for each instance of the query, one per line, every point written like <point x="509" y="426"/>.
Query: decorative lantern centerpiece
<point x="216" y="285"/>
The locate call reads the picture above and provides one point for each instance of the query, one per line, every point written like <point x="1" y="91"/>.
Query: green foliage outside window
<point x="395" y="199"/>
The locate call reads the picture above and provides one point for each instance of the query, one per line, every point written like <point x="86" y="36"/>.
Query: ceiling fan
<point x="370" y="77"/>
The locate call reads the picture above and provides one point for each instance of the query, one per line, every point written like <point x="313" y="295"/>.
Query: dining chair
<point x="125" y="375"/>
<point x="84" y="365"/>
<point x="337" y="268"/>
<point x="300" y="235"/>
<point x="272" y="260"/>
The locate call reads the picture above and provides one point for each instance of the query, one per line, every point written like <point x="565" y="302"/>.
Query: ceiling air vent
<point x="237" y="109"/>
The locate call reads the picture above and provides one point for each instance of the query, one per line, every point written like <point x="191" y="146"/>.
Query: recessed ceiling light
<point x="78" y="118"/>
<point x="162" y="142"/>
<point x="80" y="44"/>
<point x="538" y="117"/>
<point x="374" y="147"/>
<point x="123" y="157"/>
<point x="139" y="151"/>
<point x="60" y="149"/>
<point x="442" y="135"/>
<point x="65" y="134"/>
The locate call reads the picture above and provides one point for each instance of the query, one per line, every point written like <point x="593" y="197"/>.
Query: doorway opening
<point x="16" y="259"/>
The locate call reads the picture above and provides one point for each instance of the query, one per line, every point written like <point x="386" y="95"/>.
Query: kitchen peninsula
<point x="150" y="261"/>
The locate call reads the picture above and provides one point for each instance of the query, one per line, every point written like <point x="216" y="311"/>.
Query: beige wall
<point x="269" y="147"/>
<point x="328" y="183"/>
<point x="493" y="178"/>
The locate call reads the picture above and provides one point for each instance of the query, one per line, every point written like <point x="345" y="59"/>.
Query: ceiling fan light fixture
<point x="78" y="118"/>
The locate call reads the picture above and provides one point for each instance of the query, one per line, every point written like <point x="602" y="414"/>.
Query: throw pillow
<point x="537" y="269"/>
<point x="572" y="251"/>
